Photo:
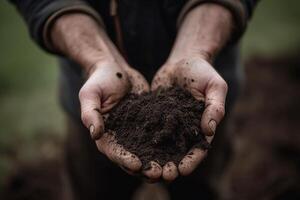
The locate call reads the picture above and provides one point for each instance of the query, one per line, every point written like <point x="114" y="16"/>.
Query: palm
<point x="105" y="87"/>
<point x="202" y="80"/>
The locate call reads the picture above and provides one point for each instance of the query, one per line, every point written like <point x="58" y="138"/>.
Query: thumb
<point x="91" y="117"/>
<point x="214" y="106"/>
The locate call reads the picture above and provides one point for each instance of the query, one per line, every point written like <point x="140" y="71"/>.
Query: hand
<point x="197" y="76"/>
<point x="107" y="83"/>
<point x="80" y="38"/>
<point x="204" y="31"/>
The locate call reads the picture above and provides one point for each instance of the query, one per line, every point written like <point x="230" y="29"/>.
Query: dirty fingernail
<point x="212" y="125"/>
<point x="92" y="131"/>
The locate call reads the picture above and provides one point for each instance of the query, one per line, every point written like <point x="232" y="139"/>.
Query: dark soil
<point x="161" y="126"/>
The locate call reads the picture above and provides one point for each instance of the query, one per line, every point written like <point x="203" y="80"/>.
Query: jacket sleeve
<point x="40" y="15"/>
<point x="241" y="11"/>
<point x="249" y="6"/>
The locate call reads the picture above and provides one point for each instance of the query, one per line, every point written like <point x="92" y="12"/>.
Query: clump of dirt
<point x="162" y="125"/>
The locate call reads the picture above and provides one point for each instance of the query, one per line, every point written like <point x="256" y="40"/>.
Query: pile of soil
<point x="161" y="126"/>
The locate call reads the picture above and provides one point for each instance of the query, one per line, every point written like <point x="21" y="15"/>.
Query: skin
<point x="109" y="78"/>
<point x="203" y="33"/>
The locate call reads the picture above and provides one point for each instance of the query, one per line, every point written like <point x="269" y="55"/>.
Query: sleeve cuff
<point x="78" y="7"/>
<point x="236" y="7"/>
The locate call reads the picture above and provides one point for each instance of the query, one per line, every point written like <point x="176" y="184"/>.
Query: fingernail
<point x="92" y="131"/>
<point x="212" y="125"/>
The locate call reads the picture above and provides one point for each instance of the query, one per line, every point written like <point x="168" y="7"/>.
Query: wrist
<point x="79" y="37"/>
<point x="203" y="33"/>
<point x="180" y="54"/>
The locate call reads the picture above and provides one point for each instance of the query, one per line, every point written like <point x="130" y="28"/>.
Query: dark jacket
<point x="138" y="18"/>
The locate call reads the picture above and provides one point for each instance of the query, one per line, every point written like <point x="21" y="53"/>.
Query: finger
<point x="139" y="85"/>
<point x="116" y="153"/>
<point x="109" y="103"/>
<point x="90" y="103"/>
<point x="189" y="163"/>
<point x="196" y="94"/>
<point x="105" y="117"/>
<point x="169" y="171"/>
<point x="138" y="82"/>
<point x="153" y="171"/>
<point x="214" y="106"/>
<point x="161" y="80"/>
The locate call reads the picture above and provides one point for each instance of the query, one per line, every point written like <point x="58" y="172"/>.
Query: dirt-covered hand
<point x="79" y="37"/>
<point x="199" y="77"/>
<point x="107" y="83"/>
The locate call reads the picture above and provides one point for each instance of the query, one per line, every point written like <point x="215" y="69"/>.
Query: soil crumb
<point x="161" y="126"/>
<point x="119" y="75"/>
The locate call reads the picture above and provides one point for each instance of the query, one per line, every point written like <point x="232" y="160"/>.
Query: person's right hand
<point x="79" y="37"/>
<point x="107" y="83"/>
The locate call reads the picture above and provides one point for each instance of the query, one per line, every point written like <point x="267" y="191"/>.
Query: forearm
<point x="204" y="32"/>
<point x="82" y="39"/>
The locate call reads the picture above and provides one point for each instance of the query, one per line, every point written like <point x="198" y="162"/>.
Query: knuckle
<point x="87" y="91"/>
<point x="220" y="110"/>
<point x="221" y="83"/>
<point x="83" y="92"/>
<point x="85" y="118"/>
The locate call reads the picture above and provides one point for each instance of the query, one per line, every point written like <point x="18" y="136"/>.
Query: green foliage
<point x="274" y="29"/>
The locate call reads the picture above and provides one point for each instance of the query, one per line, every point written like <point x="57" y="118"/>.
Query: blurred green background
<point x="29" y="109"/>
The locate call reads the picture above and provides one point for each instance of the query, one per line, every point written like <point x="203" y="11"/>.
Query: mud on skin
<point x="161" y="126"/>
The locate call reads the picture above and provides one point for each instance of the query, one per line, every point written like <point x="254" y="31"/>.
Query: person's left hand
<point x="198" y="76"/>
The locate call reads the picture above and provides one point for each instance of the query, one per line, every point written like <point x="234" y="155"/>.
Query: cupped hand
<point x="106" y="84"/>
<point x="199" y="77"/>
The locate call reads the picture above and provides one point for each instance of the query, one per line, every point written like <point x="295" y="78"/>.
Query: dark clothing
<point x="149" y="30"/>
<point x="148" y="27"/>
<point x="134" y="12"/>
